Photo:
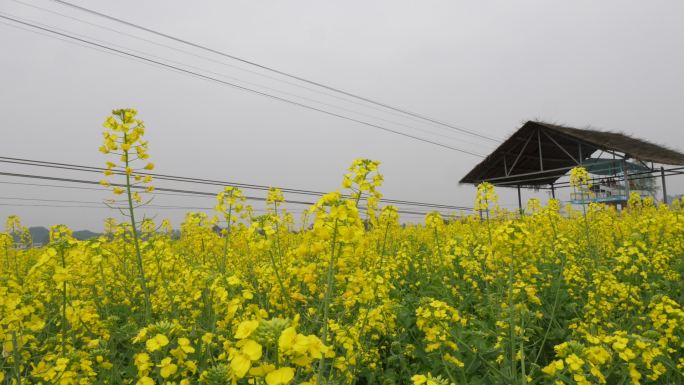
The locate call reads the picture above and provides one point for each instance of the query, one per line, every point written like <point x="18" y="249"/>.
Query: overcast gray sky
<point x="487" y="66"/>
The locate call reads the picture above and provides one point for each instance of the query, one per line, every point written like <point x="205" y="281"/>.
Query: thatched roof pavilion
<point x="540" y="153"/>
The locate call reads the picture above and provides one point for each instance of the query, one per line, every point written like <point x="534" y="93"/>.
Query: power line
<point x="273" y="70"/>
<point x="68" y="166"/>
<point x="105" y="208"/>
<point x="101" y="204"/>
<point x="54" y="206"/>
<point x="246" y="70"/>
<point x="240" y="80"/>
<point x="71" y="180"/>
<point x="104" y="205"/>
<point x="237" y="86"/>
<point x="54" y="186"/>
<point x="157" y="193"/>
<point x="208" y="195"/>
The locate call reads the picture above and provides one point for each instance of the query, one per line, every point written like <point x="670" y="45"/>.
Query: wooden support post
<point x="581" y="158"/>
<point x="541" y="156"/>
<point x="662" y="177"/>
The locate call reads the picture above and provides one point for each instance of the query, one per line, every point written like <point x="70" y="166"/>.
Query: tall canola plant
<point x="346" y="295"/>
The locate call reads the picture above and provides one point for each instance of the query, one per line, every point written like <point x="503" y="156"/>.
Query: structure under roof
<point x="540" y="153"/>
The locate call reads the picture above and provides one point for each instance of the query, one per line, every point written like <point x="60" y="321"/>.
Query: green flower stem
<point x="136" y="242"/>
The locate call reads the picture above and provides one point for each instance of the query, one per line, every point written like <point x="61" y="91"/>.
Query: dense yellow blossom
<point x="349" y="295"/>
<point x="551" y="297"/>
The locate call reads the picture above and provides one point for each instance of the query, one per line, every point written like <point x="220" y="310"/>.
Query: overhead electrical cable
<point x="273" y="70"/>
<point x="108" y="208"/>
<point x="157" y="193"/>
<point x="246" y="70"/>
<point x="251" y="198"/>
<point x="204" y="70"/>
<point x="68" y="166"/>
<point x="154" y="206"/>
<point x="103" y="207"/>
<point x="237" y="86"/>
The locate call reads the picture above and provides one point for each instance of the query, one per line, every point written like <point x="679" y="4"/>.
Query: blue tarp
<point x="611" y="166"/>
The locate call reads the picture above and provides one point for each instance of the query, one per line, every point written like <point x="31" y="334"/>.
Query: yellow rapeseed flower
<point x="145" y="381"/>
<point x="246" y="328"/>
<point x="281" y="376"/>
<point x="167" y="368"/>
<point x="157" y="342"/>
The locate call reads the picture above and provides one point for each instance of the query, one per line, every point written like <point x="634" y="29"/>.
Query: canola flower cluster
<point x="348" y="294"/>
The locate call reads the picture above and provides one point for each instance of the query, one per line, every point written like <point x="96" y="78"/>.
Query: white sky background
<point x="487" y="66"/>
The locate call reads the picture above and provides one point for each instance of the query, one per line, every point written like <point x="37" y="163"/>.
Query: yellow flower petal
<point x="246" y="328"/>
<point x="281" y="376"/>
